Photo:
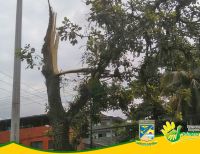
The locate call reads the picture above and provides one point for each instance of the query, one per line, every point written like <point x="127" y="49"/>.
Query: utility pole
<point x="15" y="115"/>
<point x="91" y="124"/>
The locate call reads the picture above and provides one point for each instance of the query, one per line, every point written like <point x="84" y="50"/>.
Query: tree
<point x="158" y="30"/>
<point x="169" y="32"/>
<point x="90" y="90"/>
<point x="59" y="119"/>
<point x="146" y="87"/>
<point x="182" y="89"/>
<point x="165" y="32"/>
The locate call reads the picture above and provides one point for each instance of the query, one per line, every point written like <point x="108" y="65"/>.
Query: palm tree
<point x="183" y="91"/>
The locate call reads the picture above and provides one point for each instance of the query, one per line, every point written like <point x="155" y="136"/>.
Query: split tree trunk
<point x="56" y="113"/>
<point x="60" y="120"/>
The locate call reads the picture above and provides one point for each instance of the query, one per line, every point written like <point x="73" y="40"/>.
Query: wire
<point x="32" y="102"/>
<point x="22" y="89"/>
<point x="5" y="74"/>
<point x="9" y="96"/>
<point x="31" y="94"/>
<point x="28" y="98"/>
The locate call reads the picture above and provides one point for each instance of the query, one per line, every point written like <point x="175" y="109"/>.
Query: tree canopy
<point x="163" y="34"/>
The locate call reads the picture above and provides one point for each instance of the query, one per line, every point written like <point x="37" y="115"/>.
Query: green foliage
<point x="32" y="58"/>
<point x="182" y="89"/>
<point x="164" y="33"/>
<point x="69" y="31"/>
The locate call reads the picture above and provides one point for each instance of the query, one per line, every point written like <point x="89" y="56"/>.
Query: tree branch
<point x="81" y="70"/>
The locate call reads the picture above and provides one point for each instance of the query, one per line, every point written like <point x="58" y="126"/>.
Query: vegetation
<point x="164" y="34"/>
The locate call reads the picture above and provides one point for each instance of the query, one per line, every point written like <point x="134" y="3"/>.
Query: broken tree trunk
<point x="56" y="113"/>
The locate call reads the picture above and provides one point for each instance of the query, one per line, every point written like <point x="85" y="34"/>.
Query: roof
<point x="103" y="116"/>
<point x="25" y="122"/>
<point x="39" y="120"/>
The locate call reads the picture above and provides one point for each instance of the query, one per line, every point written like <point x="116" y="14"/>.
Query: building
<point x="34" y="132"/>
<point x="104" y="127"/>
<point x="110" y="130"/>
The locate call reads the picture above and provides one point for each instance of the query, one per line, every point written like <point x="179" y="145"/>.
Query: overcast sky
<point x="35" y="21"/>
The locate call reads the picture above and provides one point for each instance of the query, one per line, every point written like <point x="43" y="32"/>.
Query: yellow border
<point x="186" y="145"/>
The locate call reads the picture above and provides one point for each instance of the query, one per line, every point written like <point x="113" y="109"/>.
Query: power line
<point x="28" y="96"/>
<point x="24" y="104"/>
<point x="24" y="84"/>
<point x="22" y="89"/>
<point x="28" y="99"/>
<point x="32" y="102"/>
<point x="43" y="94"/>
<point x="63" y="91"/>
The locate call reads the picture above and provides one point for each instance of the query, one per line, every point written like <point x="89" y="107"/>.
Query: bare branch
<point x="81" y="70"/>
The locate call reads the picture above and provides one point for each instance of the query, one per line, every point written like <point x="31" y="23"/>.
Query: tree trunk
<point x="60" y="120"/>
<point x="57" y="114"/>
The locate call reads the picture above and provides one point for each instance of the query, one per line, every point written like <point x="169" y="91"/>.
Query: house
<point x="110" y="130"/>
<point x="33" y="132"/>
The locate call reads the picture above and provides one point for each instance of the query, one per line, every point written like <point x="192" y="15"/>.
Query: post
<point x="91" y="124"/>
<point x="15" y="115"/>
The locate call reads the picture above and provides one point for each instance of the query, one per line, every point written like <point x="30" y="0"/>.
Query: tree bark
<point x="56" y="113"/>
<point x="60" y="120"/>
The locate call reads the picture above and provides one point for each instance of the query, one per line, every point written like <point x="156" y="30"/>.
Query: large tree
<point x="90" y="90"/>
<point x="161" y="31"/>
<point x="119" y="32"/>
<point x="60" y="119"/>
<point x="164" y="32"/>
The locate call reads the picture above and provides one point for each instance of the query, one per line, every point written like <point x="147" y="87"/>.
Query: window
<point x="37" y="144"/>
<point x="102" y="135"/>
